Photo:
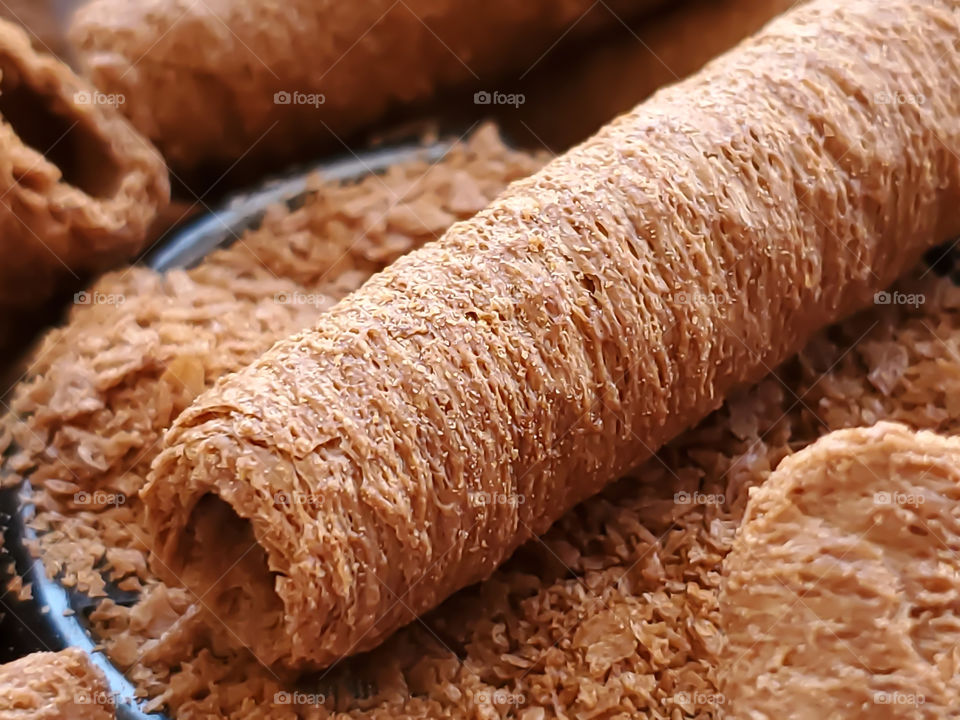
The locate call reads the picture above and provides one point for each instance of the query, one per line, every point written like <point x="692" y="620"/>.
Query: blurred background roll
<point x="258" y="81"/>
<point x="79" y="187"/>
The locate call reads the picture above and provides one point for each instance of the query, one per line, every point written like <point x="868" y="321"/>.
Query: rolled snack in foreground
<point x="839" y="597"/>
<point x="78" y="186"/>
<point x="222" y="80"/>
<point x="463" y="399"/>
<point x="63" y="685"/>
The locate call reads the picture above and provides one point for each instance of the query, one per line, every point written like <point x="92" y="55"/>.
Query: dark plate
<point x="41" y="623"/>
<point x="56" y="617"/>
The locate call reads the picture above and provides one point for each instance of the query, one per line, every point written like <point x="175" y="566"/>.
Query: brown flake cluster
<point x="63" y="685"/>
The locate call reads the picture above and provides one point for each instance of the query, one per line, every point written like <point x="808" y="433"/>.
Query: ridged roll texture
<point x="201" y="78"/>
<point x="63" y="685"/>
<point x="79" y="186"/>
<point x="840" y="596"/>
<point x="463" y="399"/>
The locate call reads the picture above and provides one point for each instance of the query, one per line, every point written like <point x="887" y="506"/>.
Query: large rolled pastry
<point x="457" y="404"/>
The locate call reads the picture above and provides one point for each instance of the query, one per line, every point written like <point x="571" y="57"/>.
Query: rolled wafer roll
<point x="462" y="400"/>
<point x="61" y="685"/>
<point x="839" y="597"/>
<point x="78" y="185"/>
<point x="261" y="80"/>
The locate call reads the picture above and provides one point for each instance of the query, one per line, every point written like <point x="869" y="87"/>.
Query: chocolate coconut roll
<point x="221" y="80"/>
<point x="460" y="401"/>
<point x="78" y="185"/>
<point x="839" y="596"/>
<point x="63" y="685"/>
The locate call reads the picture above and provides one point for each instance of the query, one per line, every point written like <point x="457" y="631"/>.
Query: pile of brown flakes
<point x="612" y="615"/>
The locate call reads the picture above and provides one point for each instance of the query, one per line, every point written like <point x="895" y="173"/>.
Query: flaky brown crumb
<point x="63" y="685"/>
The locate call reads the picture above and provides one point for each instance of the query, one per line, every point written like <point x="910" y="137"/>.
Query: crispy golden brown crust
<point x="78" y="186"/>
<point x="61" y="685"/>
<point x="464" y="398"/>
<point x="840" y="591"/>
<point x="201" y="79"/>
